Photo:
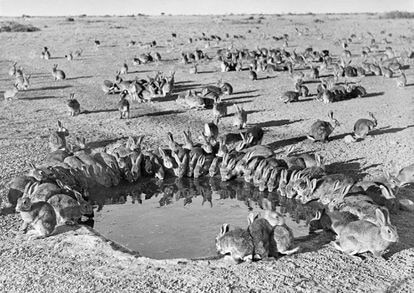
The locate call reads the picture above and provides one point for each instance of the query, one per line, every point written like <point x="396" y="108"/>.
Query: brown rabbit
<point x="40" y="215"/>
<point x="57" y="139"/>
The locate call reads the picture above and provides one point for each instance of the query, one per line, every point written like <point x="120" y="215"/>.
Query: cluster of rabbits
<point x="141" y="90"/>
<point x="22" y="82"/>
<point x="209" y="97"/>
<point x="266" y="236"/>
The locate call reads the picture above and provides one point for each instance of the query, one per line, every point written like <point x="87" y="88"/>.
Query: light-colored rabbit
<point x="281" y="241"/>
<point x="362" y="236"/>
<point x="10" y="94"/>
<point x="404" y="177"/>
<point x="57" y="73"/>
<point x="240" y="117"/>
<point x="12" y="70"/>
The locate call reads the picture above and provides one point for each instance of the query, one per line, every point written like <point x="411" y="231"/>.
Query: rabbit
<point x="219" y="110"/>
<point x="363" y="236"/>
<point x="193" y="69"/>
<point x="319" y="188"/>
<point x="274" y="218"/>
<point x="22" y="82"/>
<point x="11" y="94"/>
<point x="99" y="172"/>
<point x="12" y="70"/>
<point x="363" y="126"/>
<point x="123" y="105"/>
<point x="124" y="69"/>
<point x="320" y="130"/>
<point x="331" y="220"/>
<point x="265" y="178"/>
<point x="40" y="215"/>
<point x="250" y="169"/>
<point x="240" y="117"/>
<point x="136" y="167"/>
<point x="258" y="172"/>
<point x="73" y="105"/>
<point x="57" y="139"/>
<point x="273" y="180"/>
<point x="69" y="57"/>
<point x="57" y="73"/>
<point x="38" y="173"/>
<point x="225" y="87"/>
<point x="167" y="160"/>
<point x="67" y="209"/>
<point x="182" y="165"/>
<point x="212" y="170"/>
<point x="281" y="241"/>
<point x="237" y="243"/>
<point x="227" y="168"/>
<point x="290" y="97"/>
<point x="41" y="191"/>
<point x="252" y="75"/>
<point x="109" y="87"/>
<point x="45" y="53"/>
<point x="382" y="195"/>
<point x="78" y="53"/>
<point x="260" y="230"/>
<point x="16" y="188"/>
<point x="401" y="80"/>
<point x="198" y="169"/>
<point x="404" y="177"/>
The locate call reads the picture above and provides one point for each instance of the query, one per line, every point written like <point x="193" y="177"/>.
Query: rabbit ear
<point x="387" y="192"/>
<point x="337" y="185"/>
<point x="224" y="229"/>
<point x="313" y="184"/>
<point x="251" y="217"/>
<point x="345" y="190"/>
<point x="380" y="217"/>
<point x="162" y="153"/>
<point x="250" y="139"/>
<point x="318" y="160"/>
<point x="60" y="184"/>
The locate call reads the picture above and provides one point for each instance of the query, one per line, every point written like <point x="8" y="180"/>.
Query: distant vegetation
<point x="12" y="26"/>
<point x="397" y="14"/>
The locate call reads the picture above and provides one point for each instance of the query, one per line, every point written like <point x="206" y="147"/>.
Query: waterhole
<point x="180" y="218"/>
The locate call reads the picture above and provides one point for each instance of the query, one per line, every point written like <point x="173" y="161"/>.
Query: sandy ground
<point x="80" y="261"/>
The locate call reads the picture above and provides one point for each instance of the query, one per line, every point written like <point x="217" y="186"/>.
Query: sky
<point x="155" y="7"/>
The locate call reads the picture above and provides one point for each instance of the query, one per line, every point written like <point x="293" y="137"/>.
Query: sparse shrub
<point x="317" y="20"/>
<point x="251" y="18"/>
<point x="70" y="19"/>
<point x="12" y="26"/>
<point x="397" y="14"/>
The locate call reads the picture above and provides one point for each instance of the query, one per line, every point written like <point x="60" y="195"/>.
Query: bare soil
<point x="80" y="260"/>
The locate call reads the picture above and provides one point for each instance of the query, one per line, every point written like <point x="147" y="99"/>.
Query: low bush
<point x="12" y="26"/>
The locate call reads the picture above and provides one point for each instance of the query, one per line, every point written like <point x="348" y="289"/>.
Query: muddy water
<point x="181" y="217"/>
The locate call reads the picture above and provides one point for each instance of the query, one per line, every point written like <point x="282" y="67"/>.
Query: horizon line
<point x="209" y="14"/>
